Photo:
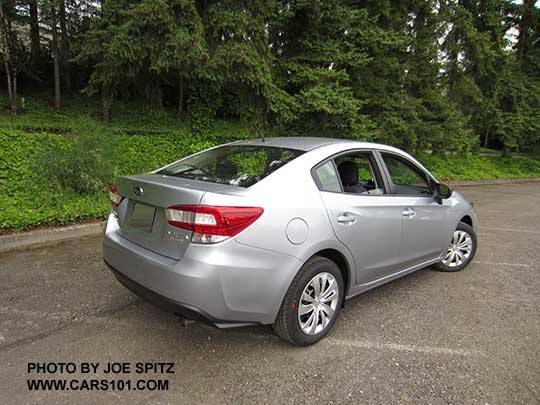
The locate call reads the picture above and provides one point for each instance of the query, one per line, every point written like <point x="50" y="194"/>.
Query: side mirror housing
<point x="442" y="192"/>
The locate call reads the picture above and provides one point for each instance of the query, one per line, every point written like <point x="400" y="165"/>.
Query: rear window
<point x="236" y="165"/>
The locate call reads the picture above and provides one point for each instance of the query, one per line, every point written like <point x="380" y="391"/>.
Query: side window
<point x="358" y="174"/>
<point x="406" y="178"/>
<point x="327" y="178"/>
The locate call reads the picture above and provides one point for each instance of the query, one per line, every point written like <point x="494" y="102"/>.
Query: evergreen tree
<point x="314" y="43"/>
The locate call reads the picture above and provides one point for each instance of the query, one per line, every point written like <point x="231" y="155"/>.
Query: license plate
<point x="142" y="217"/>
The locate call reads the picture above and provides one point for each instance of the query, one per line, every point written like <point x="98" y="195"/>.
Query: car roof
<point x="307" y="143"/>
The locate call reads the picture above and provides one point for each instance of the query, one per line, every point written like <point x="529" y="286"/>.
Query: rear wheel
<point x="312" y="303"/>
<point x="461" y="250"/>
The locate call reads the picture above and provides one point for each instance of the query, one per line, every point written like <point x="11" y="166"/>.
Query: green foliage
<point x="48" y="179"/>
<point x="130" y="119"/>
<point x="82" y="162"/>
<point x="496" y="89"/>
<point x="518" y="122"/>
<point x="437" y="75"/>
<point x="473" y="167"/>
<point x="317" y="45"/>
<point x="203" y="104"/>
<point x="27" y="196"/>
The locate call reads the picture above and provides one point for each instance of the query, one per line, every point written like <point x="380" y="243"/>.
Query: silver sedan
<point x="282" y="231"/>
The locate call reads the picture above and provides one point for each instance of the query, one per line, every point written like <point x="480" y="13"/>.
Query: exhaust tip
<point x="186" y="322"/>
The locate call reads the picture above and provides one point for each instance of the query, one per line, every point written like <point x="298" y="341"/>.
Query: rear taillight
<point x="211" y="224"/>
<point x="114" y="196"/>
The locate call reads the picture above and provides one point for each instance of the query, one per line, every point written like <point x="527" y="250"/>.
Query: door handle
<point x="346" y="218"/>
<point x="408" y="212"/>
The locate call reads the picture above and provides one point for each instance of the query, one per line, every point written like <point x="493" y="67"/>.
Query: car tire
<point x="464" y="237"/>
<point x="296" y="328"/>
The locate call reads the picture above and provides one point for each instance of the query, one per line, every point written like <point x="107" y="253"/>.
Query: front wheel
<point x="461" y="250"/>
<point x="312" y="303"/>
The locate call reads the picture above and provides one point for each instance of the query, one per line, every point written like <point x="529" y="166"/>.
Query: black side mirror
<point x="442" y="192"/>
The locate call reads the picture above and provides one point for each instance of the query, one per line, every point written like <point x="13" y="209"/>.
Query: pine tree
<point x="314" y="42"/>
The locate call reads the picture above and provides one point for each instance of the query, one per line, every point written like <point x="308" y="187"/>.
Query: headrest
<point x="348" y="172"/>
<point x="225" y="169"/>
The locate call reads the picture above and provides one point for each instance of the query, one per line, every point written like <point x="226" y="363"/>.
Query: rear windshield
<point x="236" y="165"/>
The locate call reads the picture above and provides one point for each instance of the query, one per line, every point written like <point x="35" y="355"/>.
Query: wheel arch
<point x="468" y="220"/>
<point x="341" y="261"/>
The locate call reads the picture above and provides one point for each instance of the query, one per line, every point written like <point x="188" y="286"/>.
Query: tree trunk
<point x="521" y="45"/>
<point x="524" y="24"/>
<point x="35" y="45"/>
<point x="323" y="119"/>
<point x="106" y="102"/>
<point x="180" y="110"/>
<point x="56" y="52"/>
<point x="14" y="105"/>
<point x="6" y="56"/>
<point x="66" y="71"/>
<point x="12" y="96"/>
<point x="201" y="6"/>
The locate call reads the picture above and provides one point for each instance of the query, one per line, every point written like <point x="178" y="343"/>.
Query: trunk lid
<point x="141" y="214"/>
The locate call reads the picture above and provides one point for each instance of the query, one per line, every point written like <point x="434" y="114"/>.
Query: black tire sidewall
<point x="470" y="231"/>
<point x="321" y="265"/>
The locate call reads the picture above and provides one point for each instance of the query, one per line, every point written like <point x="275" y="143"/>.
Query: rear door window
<point x="326" y="177"/>
<point x="355" y="172"/>
<point x="359" y="174"/>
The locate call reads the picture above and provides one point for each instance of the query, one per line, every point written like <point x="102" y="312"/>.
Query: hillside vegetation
<point x="55" y="166"/>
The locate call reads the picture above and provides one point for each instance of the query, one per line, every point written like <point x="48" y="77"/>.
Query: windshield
<point x="236" y="165"/>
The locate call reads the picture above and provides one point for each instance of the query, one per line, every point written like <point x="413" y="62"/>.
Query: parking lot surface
<point x="468" y="337"/>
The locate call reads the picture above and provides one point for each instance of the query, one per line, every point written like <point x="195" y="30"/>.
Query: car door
<point x="423" y="228"/>
<point x="368" y="222"/>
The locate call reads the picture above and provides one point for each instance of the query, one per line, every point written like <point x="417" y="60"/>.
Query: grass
<point x="54" y="166"/>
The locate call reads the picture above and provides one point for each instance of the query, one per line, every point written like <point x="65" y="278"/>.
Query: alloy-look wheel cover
<point x="459" y="250"/>
<point x="318" y="303"/>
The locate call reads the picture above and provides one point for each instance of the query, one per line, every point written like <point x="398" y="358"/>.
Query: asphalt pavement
<point x="430" y="337"/>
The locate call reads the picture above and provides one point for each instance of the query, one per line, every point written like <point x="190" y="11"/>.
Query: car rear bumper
<point x="177" y="308"/>
<point x="227" y="284"/>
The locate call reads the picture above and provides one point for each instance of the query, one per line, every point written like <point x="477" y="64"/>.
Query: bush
<point x="82" y="162"/>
